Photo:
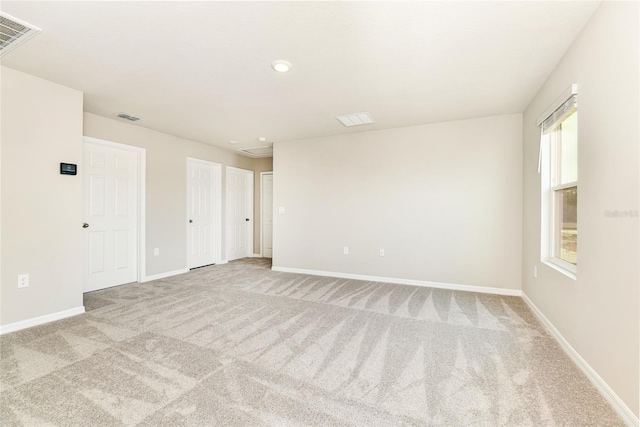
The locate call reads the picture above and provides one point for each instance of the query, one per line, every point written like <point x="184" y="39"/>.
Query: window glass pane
<point x="568" y="150"/>
<point x="566" y="233"/>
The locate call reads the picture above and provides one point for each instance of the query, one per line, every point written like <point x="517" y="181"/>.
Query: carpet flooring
<point x="239" y="344"/>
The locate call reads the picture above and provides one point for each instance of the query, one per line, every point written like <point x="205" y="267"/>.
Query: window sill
<point x="561" y="269"/>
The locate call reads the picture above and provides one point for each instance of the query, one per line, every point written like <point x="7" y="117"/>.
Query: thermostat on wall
<point x="68" y="169"/>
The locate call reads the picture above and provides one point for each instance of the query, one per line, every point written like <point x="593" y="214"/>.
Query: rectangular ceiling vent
<point x="356" y="119"/>
<point x="14" y="32"/>
<point x="264" y="151"/>
<point x="128" y="117"/>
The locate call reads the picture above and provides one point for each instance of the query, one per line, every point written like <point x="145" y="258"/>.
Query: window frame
<point x="549" y="167"/>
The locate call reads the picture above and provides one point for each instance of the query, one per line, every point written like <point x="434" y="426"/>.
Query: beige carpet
<point x="239" y="344"/>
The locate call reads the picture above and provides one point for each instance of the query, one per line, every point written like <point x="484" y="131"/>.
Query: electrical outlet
<point x="381" y="252"/>
<point x="345" y="250"/>
<point x="23" y="281"/>
<point x="156" y="251"/>
<point x="281" y="209"/>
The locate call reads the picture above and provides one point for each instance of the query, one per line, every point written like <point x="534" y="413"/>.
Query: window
<point x="559" y="170"/>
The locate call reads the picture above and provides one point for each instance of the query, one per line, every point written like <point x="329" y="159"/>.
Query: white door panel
<point x="267" y="215"/>
<point x="203" y="205"/>
<point x="239" y="213"/>
<point x="110" y="209"/>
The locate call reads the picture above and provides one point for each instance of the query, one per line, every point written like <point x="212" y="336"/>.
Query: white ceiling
<point x="201" y="70"/>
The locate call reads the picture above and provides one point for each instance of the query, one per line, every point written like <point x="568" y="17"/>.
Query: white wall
<point x="443" y="200"/>
<point x="598" y="312"/>
<point x="41" y="209"/>
<point x="166" y="182"/>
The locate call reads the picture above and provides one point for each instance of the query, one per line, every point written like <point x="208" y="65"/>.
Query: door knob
<point x="246" y="219"/>
<point x="85" y="225"/>
<point x="190" y="221"/>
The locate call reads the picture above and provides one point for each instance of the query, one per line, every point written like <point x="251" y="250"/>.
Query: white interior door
<point x="110" y="212"/>
<point x="203" y="206"/>
<point x="239" y="213"/>
<point x="267" y="215"/>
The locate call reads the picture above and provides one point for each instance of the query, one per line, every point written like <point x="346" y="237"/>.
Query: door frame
<point x="251" y="203"/>
<point x="262" y="174"/>
<point x="217" y="209"/>
<point x="141" y="156"/>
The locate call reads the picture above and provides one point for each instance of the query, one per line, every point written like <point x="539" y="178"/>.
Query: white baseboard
<point x="255" y="256"/>
<point x="164" y="275"/>
<point x="449" y="286"/>
<point x="222" y="262"/>
<point x="625" y="412"/>
<point x="23" y="324"/>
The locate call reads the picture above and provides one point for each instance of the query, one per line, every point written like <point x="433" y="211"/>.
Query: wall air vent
<point x="356" y="119"/>
<point x="264" y="151"/>
<point x="128" y="117"/>
<point x="14" y="32"/>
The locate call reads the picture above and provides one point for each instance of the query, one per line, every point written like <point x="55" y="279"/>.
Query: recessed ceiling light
<point x="262" y="139"/>
<point x="281" y="66"/>
<point x="233" y="142"/>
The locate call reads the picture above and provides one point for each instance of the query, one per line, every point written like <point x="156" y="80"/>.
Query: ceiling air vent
<point x="264" y="151"/>
<point x="128" y="117"/>
<point x="356" y="119"/>
<point x="14" y="32"/>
